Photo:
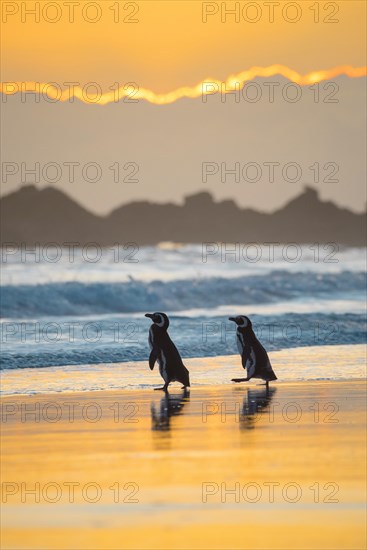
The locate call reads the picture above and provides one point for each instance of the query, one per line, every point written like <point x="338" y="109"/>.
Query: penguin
<point x="255" y="360"/>
<point x="164" y="351"/>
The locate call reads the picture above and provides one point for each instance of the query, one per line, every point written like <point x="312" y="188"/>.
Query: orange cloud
<point x="92" y="95"/>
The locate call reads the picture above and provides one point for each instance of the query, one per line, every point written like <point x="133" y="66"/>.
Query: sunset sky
<point x="170" y="46"/>
<point x="162" y="46"/>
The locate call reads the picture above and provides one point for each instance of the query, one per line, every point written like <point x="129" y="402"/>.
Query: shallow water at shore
<point x="290" y="365"/>
<point x="219" y="467"/>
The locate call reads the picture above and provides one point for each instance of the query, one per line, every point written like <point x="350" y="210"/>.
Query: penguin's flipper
<point x="248" y="360"/>
<point x="153" y="358"/>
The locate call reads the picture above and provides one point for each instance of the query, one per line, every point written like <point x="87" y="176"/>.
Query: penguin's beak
<point x="231" y="319"/>
<point x="150" y="315"/>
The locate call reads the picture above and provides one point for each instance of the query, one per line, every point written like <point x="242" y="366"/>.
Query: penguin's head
<point x="241" y="321"/>
<point x="159" y="319"/>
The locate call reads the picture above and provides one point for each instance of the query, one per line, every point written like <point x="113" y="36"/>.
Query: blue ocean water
<point x="85" y="312"/>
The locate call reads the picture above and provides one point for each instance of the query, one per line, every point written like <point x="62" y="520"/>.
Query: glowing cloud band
<point x="206" y="87"/>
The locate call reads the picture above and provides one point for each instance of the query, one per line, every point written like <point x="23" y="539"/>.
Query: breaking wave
<point x="83" y="299"/>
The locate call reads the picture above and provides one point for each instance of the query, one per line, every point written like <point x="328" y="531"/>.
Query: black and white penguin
<point x="255" y="360"/>
<point x="164" y="351"/>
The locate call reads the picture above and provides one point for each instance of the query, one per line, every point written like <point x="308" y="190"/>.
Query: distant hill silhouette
<point x="31" y="215"/>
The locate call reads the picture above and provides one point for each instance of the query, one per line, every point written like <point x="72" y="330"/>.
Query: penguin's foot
<point x="240" y="379"/>
<point x="163" y="388"/>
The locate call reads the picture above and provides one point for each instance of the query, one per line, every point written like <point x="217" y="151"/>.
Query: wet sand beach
<point x="226" y="466"/>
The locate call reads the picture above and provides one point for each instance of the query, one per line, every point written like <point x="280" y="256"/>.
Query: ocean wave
<point x="81" y="299"/>
<point x="45" y="344"/>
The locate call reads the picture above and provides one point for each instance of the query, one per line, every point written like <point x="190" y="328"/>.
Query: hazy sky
<point x="166" y="152"/>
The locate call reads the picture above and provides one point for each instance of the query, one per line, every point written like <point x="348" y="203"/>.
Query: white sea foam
<point x="175" y="262"/>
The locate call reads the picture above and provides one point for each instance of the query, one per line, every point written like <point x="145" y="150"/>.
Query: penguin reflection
<point x="255" y="403"/>
<point x="170" y="405"/>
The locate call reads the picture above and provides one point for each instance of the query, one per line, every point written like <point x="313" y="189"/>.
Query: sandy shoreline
<point x="139" y="470"/>
<point x="341" y="362"/>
